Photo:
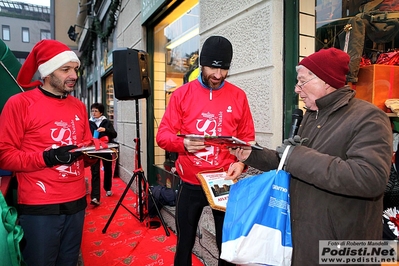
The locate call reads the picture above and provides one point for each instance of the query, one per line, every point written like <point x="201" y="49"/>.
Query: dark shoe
<point x="95" y="202"/>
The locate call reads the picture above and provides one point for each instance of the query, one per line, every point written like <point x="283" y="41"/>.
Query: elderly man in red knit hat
<point x="39" y="128"/>
<point x="341" y="164"/>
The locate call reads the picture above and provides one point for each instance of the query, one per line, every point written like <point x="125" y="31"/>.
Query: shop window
<point x="176" y="48"/>
<point x="368" y="32"/>
<point x="109" y="97"/>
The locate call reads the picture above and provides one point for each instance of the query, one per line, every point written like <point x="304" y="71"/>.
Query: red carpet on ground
<point x="127" y="241"/>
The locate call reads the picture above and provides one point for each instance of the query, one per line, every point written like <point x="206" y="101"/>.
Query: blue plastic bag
<point x="257" y="227"/>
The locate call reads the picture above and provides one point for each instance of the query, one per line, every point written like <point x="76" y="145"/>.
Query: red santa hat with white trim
<point x="45" y="57"/>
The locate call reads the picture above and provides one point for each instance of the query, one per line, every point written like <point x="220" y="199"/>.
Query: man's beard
<point x="207" y="81"/>
<point x="58" y="85"/>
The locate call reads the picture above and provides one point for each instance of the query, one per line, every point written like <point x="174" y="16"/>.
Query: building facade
<point x="23" y="25"/>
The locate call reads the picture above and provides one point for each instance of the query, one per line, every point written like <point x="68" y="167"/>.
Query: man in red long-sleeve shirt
<point x="207" y="106"/>
<point x="39" y="128"/>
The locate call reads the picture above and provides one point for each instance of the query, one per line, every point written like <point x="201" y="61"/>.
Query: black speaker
<point x="131" y="75"/>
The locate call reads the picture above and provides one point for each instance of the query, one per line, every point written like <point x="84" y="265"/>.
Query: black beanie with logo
<point x="216" y="52"/>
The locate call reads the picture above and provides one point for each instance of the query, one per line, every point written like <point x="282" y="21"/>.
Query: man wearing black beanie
<point x="216" y="52"/>
<point x="207" y="106"/>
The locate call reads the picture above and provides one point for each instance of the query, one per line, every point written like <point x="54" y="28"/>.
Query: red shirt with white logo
<point x="32" y="122"/>
<point x="194" y="109"/>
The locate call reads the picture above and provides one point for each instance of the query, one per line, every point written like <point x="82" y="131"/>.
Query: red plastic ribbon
<point x="395" y="220"/>
<point x="100" y="143"/>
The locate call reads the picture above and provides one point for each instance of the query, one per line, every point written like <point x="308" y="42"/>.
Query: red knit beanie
<point x="330" y="65"/>
<point x="46" y="56"/>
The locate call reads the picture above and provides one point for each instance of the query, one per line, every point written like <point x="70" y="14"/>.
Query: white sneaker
<point x="95" y="202"/>
<point x="108" y="193"/>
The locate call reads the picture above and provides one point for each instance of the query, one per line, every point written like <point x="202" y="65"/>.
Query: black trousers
<point x="52" y="239"/>
<point x="95" y="176"/>
<point x="191" y="200"/>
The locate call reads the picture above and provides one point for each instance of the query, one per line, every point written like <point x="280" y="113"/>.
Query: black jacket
<point x="109" y="129"/>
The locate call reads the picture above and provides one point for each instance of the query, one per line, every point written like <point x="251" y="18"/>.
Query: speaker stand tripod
<point x="143" y="186"/>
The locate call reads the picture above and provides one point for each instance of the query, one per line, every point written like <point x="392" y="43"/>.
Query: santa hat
<point x="330" y="65"/>
<point x="46" y="56"/>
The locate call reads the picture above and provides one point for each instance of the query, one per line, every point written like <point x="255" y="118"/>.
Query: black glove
<point x="295" y="141"/>
<point x="61" y="155"/>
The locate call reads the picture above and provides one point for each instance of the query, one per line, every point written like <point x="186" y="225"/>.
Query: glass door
<point x="176" y="48"/>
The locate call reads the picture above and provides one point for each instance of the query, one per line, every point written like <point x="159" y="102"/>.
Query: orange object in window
<point x="376" y="84"/>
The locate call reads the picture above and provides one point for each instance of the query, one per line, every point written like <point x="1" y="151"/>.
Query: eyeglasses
<point x="300" y="86"/>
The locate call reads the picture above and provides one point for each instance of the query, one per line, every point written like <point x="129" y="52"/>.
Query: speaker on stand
<point x="131" y="77"/>
<point x="132" y="82"/>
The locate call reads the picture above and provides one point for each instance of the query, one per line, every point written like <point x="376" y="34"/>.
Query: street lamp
<point x="72" y="34"/>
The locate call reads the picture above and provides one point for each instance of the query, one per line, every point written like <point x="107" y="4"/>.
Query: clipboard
<point x="92" y="149"/>
<point x="225" y="141"/>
